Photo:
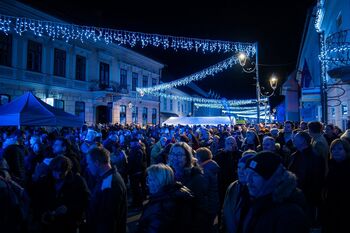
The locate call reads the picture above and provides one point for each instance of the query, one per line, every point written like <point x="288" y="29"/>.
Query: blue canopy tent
<point x="29" y="110"/>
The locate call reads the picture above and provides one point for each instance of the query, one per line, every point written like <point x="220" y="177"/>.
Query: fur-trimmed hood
<point x="281" y="186"/>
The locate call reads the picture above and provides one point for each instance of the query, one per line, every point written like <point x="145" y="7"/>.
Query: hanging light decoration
<point x="69" y="32"/>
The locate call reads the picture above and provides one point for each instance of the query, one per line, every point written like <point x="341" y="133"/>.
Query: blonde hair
<point x="161" y="175"/>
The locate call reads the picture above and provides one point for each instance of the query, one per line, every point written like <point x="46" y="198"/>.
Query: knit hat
<point x="265" y="163"/>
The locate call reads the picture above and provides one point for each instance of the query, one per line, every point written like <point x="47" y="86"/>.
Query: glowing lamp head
<point x="242" y="57"/>
<point x="273" y="82"/>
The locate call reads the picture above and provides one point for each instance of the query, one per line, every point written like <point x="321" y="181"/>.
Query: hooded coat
<point x="279" y="210"/>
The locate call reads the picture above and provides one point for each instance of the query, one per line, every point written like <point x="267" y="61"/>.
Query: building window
<point x="58" y="104"/>
<point x="178" y="106"/>
<point x="135" y="113"/>
<point x="333" y="112"/>
<point x="104" y="75"/>
<point x="171" y="105"/>
<point x="80" y="109"/>
<point x="59" y="63"/>
<point x="339" y="20"/>
<point x="135" y="79"/>
<point x="154" y="82"/>
<point x="164" y="103"/>
<point x="154" y="116"/>
<point x="144" y="116"/>
<point x="344" y="124"/>
<point x="123" y="78"/>
<point x="5" y="49"/>
<point x="145" y="81"/>
<point x="182" y="108"/>
<point x="34" y="56"/>
<point x="344" y="109"/>
<point x="80" y="68"/>
<point x="123" y="114"/>
<point x="4" y="99"/>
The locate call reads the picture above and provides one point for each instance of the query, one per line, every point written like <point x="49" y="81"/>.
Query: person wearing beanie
<point x="276" y="205"/>
<point x="237" y="197"/>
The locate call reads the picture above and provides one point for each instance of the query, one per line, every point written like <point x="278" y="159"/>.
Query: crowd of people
<point x="275" y="178"/>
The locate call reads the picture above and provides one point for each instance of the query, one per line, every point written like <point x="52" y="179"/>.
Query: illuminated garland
<point x="220" y="106"/>
<point x="202" y="100"/>
<point x="68" y="32"/>
<point x="319" y="15"/>
<point x="210" y="71"/>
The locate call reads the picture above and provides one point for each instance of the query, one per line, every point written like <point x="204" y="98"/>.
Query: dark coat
<point x="108" y="207"/>
<point x="194" y="179"/>
<point x="278" y="212"/>
<point x="137" y="161"/>
<point x="11" y="214"/>
<point x="14" y="155"/>
<point x="228" y="162"/>
<point x="75" y="195"/>
<point x="235" y="204"/>
<point x="337" y="202"/>
<point x="309" y="169"/>
<point x="211" y="172"/>
<point x="168" y="211"/>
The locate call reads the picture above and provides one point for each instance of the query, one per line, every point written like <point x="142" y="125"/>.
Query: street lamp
<point x="242" y="57"/>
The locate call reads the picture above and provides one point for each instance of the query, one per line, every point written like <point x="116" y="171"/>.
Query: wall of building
<point x="17" y="79"/>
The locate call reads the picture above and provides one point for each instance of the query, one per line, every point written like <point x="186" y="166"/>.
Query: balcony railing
<point x="337" y="50"/>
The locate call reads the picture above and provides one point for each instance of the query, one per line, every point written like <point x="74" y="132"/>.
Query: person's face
<point x="230" y="144"/>
<point x="269" y="144"/>
<point x="255" y="182"/>
<point x="57" y="147"/>
<point x="92" y="165"/>
<point x="32" y="141"/>
<point x="241" y="171"/>
<point x="36" y="148"/>
<point x="329" y="130"/>
<point x="152" y="186"/>
<point x="163" y="141"/>
<point x="274" y="133"/>
<point x="59" y="175"/>
<point x="288" y="128"/>
<point x="205" y="135"/>
<point x="177" y="158"/>
<point x="299" y="142"/>
<point x="338" y="152"/>
<point x="303" y="126"/>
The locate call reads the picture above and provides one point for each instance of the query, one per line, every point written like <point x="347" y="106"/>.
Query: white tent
<point x="223" y="120"/>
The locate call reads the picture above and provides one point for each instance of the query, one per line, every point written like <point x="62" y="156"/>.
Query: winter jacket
<point x="337" y="202"/>
<point x="194" y="179"/>
<point x="168" y="211"/>
<point x="108" y="207"/>
<point x="280" y="210"/>
<point x="236" y="202"/>
<point x="227" y="161"/>
<point x="309" y="169"/>
<point x="211" y="171"/>
<point x="74" y="195"/>
<point x="136" y="161"/>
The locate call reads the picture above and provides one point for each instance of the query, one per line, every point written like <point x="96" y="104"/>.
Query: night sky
<point x="276" y="26"/>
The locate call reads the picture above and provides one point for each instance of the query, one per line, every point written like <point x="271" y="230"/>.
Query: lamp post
<point x="242" y="57"/>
